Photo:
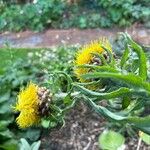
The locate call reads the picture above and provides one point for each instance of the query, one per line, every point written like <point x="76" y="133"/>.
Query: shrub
<point x="32" y="16"/>
<point x="45" y="14"/>
<point x="125" y="12"/>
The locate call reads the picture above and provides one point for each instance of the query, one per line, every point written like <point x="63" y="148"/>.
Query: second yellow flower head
<point x="85" y="56"/>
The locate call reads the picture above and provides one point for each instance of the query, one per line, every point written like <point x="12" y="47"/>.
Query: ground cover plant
<point x="116" y="88"/>
<point x="42" y="14"/>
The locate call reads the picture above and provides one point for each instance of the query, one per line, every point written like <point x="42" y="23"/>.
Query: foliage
<point x="32" y="16"/>
<point x="128" y="88"/>
<point x="43" y="14"/>
<point x="24" y="145"/>
<point x="125" y="12"/>
<point x="111" y="140"/>
<point x="19" y="67"/>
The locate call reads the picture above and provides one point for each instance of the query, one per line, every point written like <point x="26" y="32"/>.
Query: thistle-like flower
<point x="33" y="104"/>
<point x="85" y="56"/>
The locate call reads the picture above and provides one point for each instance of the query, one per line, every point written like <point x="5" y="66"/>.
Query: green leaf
<point x="104" y="111"/>
<point x="24" y="144"/>
<point x="141" y="123"/>
<point x="67" y="100"/>
<point x="135" y="65"/>
<point x="101" y="96"/>
<point x="3" y="124"/>
<point x="68" y="78"/>
<point x="129" y="79"/>
<point x="36" y="145"/>
<point x="125" y="57"/>
<point x="111" y="57"/>
<point x="145" y="137"/>
<point x="142" y="57"/>
<point x="5" y="135"/>
<point x="5" y="107"/>
<point x="33" y="134"/>
<point x="110" y="140"/>
<point x="5" y="97"/>
<point x="45" y="123"/>
<point x="126" y="101"/>
<point x="10" y="145"/>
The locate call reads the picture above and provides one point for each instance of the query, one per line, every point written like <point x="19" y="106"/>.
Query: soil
<point x="81" y="132"/>
<point x="51" y="38"/>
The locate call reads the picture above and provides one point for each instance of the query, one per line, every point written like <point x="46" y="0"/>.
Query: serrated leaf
<point x="111" y="95"/>
<point x="129" y="79"/>
<point x="111" y="140"/>
<point x="139" y="122"/>
<point x="104" y="111"/>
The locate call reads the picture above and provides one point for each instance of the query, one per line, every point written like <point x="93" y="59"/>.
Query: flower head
<point x="85" y="56"/>
<point x="27" y="105"/>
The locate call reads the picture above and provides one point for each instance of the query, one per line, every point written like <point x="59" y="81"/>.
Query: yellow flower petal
<point x="27" y="118"/>
<point x="84" y="55"/>
<point x="27" y="105"/>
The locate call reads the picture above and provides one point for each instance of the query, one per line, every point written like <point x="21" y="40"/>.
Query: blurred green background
<point x="39" y="15"/>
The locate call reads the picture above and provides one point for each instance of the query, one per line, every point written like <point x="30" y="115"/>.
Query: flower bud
<point x="45" y="100"/>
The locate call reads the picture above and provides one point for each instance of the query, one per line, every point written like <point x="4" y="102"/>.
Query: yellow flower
<point x="27" y="105"/>
<point x="85" y="56"/>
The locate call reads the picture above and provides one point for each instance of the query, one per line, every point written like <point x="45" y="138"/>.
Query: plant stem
<point x="139" y="144"/>
<point x="63" y="95"/>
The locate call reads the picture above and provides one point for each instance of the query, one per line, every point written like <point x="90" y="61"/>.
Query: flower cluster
<point x="33" y="101"/>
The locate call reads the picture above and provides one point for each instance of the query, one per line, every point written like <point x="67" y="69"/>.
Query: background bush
<point x="32" y="16"/>
<point x="125" y="12"/>
<point x="38" y="15"/>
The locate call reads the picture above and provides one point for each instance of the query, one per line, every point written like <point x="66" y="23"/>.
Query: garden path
<point x="54" y="37"/>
